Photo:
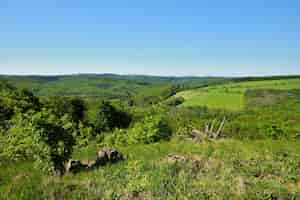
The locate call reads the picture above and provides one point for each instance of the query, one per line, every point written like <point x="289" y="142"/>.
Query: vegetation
<point x="148" y="118"/>
<point x="151" y="129"/>
<point x="231" y="95"/>
<point x="109" y="117"/>
<point x="228" y="170"/>
<point x="133" y="89"/>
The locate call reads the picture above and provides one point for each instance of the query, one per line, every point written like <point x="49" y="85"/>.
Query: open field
<point x="231" y="95"/>
<point x="215" y="99"/>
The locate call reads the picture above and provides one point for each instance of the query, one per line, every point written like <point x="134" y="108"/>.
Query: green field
<point x="231" y="95"/>
<point x="233" y="101"/>
<point x="228" y="170"/>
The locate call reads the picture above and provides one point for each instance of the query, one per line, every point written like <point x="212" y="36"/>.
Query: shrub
<point x="55" y="140"/>
<point x="150" y="129"/>
<point x="13" y="101"/>
<point x="85" y="134"/>
<point x="275" y="131"/>
<point x="41" y="136"/>
<point x="118" y="137"/>
<point x="175" y="101"/>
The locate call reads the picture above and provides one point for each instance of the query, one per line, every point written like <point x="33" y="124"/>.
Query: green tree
<point x="25" y="100"/>
<point x="6" y="112"/>
<point x="74" y="107"/>
<point x="77" y="110"/>
<point x="16" y="100"/>
<point x="108" y="118"/>
<point x="41" y="136"/>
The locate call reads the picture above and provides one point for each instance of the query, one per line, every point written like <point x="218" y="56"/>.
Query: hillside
<point x="232" y="95"/>
<point x="228" y="139"/>
<point x="227" y="170"/>
<point x="103" y="85"/>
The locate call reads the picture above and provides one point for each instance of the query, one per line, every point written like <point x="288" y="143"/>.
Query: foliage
<point x="74" y="107"/>
<point x="56" y="135"/>
<point x="14" y="100"/>
<point x="85" y="134"/>
<point x="151" y="129"/>
<point x="78" y="109"/>
<point x="117" y="137"/>
<point x="6" y="112"/>
<point x="109" y="117"/>
<point x="258" y="159"/>
<point x="18" y="142"/>
<point x="137" y="90"/>
<point x="40" y="136"/>
<point x="175" y="101"/>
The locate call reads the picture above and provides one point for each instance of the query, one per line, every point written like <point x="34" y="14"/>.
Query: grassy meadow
<point x="231" y="95"/>
<point x="214" y="99"/>
<point x="227" y="169"/>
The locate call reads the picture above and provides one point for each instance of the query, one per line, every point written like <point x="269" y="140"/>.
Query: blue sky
<point x="157" y="37"/>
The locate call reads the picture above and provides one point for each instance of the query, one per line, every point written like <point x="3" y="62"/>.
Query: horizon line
<point x="149" y="75"/>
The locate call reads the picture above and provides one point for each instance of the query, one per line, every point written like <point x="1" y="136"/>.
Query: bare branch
<point x="221" y="127"/>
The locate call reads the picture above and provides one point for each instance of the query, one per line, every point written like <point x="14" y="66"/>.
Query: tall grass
<point x="228" y="169"/>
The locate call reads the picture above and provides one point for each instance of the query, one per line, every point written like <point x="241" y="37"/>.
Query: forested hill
<point x="137" y="88"/>
<point x="108" y="86"/>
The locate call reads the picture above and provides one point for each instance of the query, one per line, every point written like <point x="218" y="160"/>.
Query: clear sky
<point x="158" y="37"/>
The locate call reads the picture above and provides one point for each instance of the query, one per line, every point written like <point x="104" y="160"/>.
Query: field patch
<point x="217" y="100"/>
<point x="231" y="96"/>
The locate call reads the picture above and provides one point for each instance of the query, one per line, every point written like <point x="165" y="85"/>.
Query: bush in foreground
<point x="151" y="129"/>
<point x="41" y="136"/>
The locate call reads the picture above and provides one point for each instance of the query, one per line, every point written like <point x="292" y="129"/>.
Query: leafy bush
<point x="150" y="129"/>
<point x="40" y="136"/>
<point x="84" y="135"/>
<point x="118" y="137"/>
<point x="175" y="101"/>
<point x="14" y="100"/>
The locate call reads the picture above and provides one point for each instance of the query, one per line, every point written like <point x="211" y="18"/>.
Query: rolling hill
<point x="232" y="95"/>
<point x="104" y="85"/>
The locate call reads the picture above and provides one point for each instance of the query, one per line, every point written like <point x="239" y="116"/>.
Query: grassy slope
<point x="231" y="95"/>
<point x="214" y="99"/>
<point x="229" y="169"/>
